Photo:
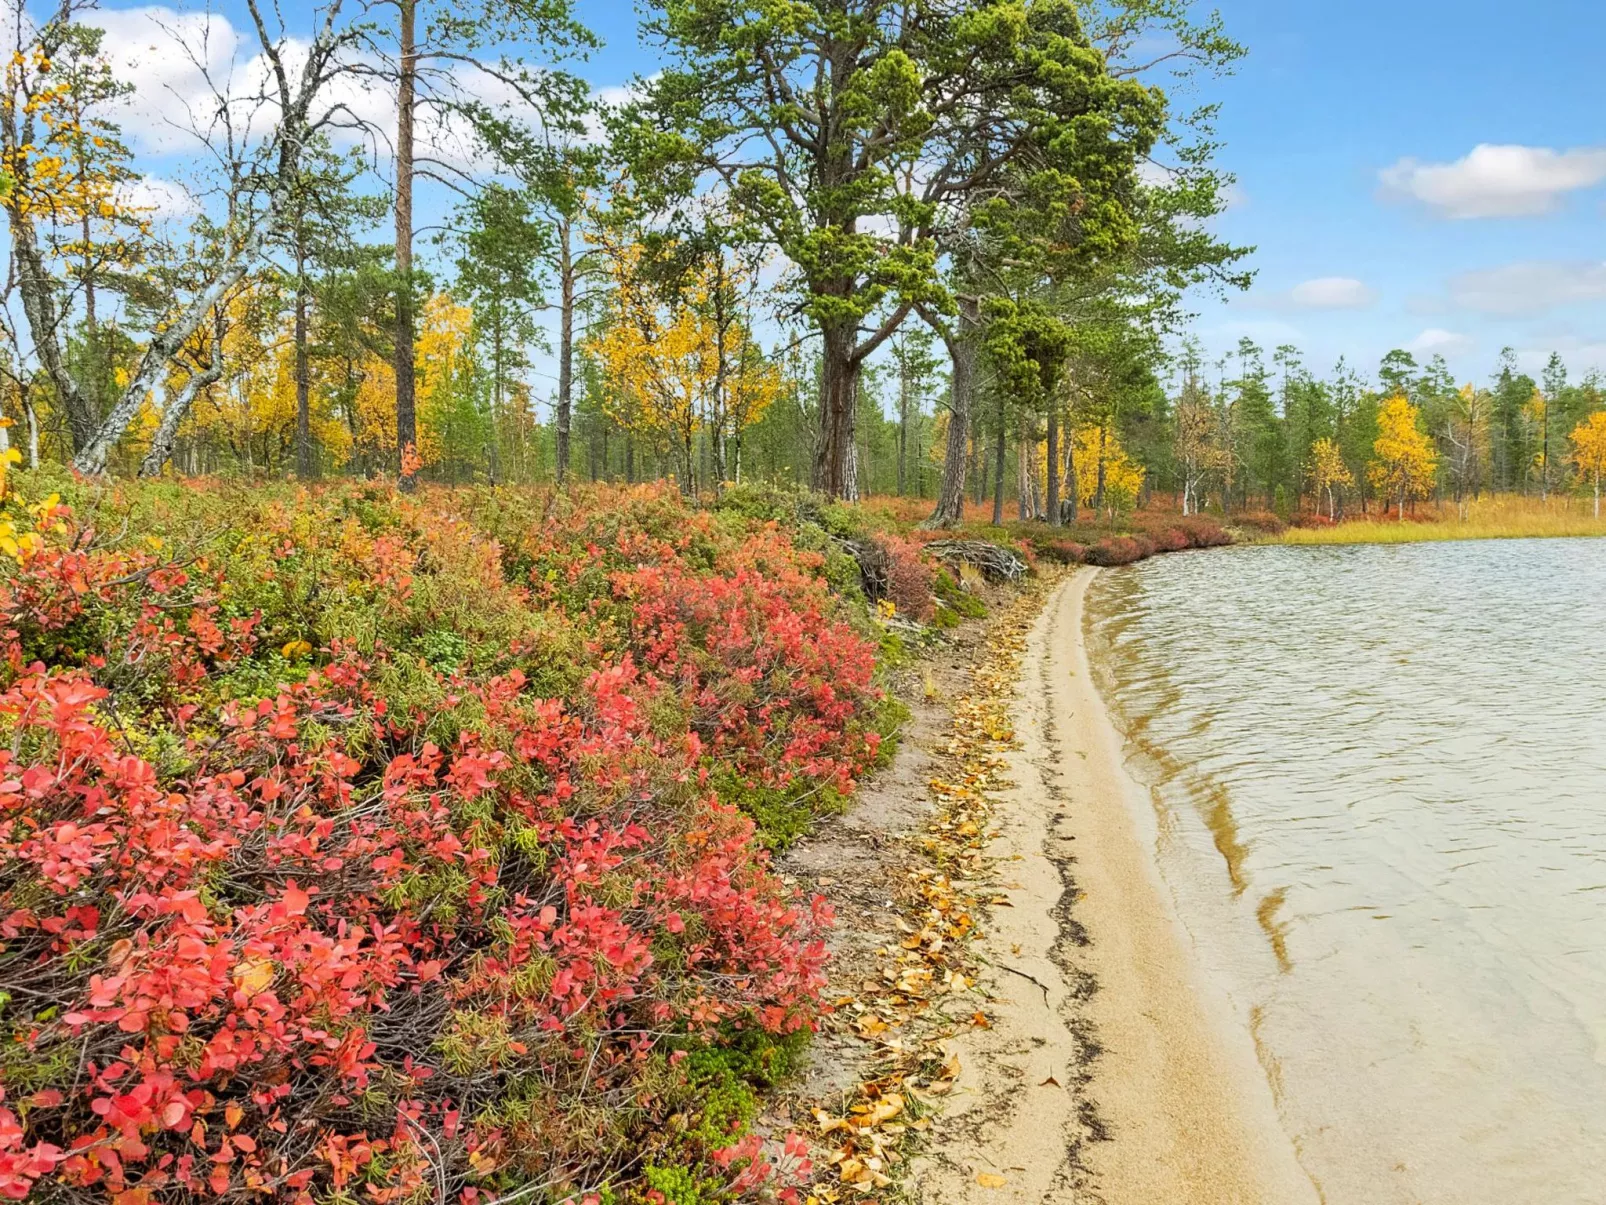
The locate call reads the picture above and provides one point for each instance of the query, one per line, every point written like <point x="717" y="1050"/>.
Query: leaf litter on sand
<point x="922" y="989"/>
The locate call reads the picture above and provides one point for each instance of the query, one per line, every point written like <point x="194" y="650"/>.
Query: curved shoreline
<point x="1192" y="1114"/>
<point x="1114" y="1068"/>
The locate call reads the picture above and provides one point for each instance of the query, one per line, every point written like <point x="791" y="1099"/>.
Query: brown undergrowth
<point x="906" y="872"/>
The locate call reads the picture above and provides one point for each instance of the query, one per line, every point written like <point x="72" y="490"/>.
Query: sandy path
<point x="1113" y="1072"/>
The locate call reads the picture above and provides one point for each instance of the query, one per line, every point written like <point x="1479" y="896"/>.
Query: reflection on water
<point x="1380" y="774"/>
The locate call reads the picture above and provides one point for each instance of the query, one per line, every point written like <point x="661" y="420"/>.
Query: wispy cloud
<point x="1529" y="286"/>
<point x="1438" y="342"/>
<point x="1331" y="293"/>
<point x="1319" y="293"/>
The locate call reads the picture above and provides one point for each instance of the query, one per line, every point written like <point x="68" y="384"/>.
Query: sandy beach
<point x="1114" y="1071"/>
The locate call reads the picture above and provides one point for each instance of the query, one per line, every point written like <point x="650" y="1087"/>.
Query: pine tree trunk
<point x="1053" y="499"/>
<point x="1098" y="483"/>
<point x="834" y="473"/>
<point x="1073" y="488"/>
<point x="1023" y="500"/>
<point x="963" y="353"/>
<point x="406" y="401"/>
<point x="998" y="454"/>
<point x="903" y="427"/>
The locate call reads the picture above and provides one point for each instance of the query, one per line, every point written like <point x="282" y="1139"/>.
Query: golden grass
<point x="1499" y="517"/>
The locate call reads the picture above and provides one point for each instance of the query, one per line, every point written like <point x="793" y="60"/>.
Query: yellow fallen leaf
<point x="990" y="1180"/>
<point x="253" y="976"/>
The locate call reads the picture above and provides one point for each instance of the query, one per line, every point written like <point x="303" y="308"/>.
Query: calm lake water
<point x="1380" y="779"/>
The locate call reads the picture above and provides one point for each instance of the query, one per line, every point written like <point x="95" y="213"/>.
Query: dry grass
<point x="1498" y="517"/>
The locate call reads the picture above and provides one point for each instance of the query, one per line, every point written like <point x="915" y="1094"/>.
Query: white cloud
<point x="1331" y="293"/>
<point x="158" y="198"/>
<point x="1529" y="286"/>
<point x="181" y="61"/>
<point x="1497" y="181"/>
<point x="1320" y="293"/>
<point x="168" y="56"/>
<point x="1437" y="342"/>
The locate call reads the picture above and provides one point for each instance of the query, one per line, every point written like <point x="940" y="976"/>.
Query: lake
<point x="1379" y="775"/>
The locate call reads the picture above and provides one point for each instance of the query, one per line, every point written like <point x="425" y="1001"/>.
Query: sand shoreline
<point x="1114" y="1070"/>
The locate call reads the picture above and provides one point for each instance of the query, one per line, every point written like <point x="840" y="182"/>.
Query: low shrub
<point x="1120" y="550"/>
<point x="354" y="844"/>
<point x="1062" y="552"/>
<point x="1261" y="522"/>
<point x="910" y="579"/>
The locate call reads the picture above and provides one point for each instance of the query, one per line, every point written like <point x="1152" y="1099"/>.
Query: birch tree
<point x="259" y="175"/>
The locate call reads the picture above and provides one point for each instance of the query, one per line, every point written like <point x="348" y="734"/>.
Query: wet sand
<point x="1114" y="1071"/>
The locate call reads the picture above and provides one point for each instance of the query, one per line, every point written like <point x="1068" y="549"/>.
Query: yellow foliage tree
<point x="1328" y="472"/>
<point x="1589" y="450"/>
<point x="1406" y="459"/>
<point x="1099" y="448"/>
<point x="443" y="329"/>
<point x="676" y="364"/>
<point x="657" y="358"/>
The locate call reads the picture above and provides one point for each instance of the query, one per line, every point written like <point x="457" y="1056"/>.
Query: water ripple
<point x="1385" y="769"/>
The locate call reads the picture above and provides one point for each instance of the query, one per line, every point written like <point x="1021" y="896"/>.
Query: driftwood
<point x="996" y="562"/>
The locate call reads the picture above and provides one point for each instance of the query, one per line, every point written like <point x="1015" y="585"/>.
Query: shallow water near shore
<point x="1379" y="776"/>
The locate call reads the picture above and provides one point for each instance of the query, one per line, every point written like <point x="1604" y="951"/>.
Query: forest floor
<point x="1017" y="1015"/>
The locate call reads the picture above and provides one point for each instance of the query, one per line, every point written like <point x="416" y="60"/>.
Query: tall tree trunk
<point x="1053" y="484"/>
<point x="1544" y="453"/>
<point x="963" y="355"/>
<point x="493" y="455"/>
<point x="32" y="417"/>
<point x="1023" y="483"/>
<point x="1098" y="484"/>
<point x="1073" y="487"/>
<point x="94" y="356"/>
<point x="903" y="428"/>
<point x="89" y="286"/>
<point x="998" y="485"/>
<point x="834" y="468"/>
<point x="565" y="409"/>
<point x="304" y="467"/>
<point x="406" y="402"/>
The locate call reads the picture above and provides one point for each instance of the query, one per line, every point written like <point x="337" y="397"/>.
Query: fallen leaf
<point x="990" y="1180"/>
<point x="1050" y="1080"/>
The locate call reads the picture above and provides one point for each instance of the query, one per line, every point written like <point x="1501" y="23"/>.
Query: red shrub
<point x="295" y="933"/>
<point x="910" y="579"/>
<point x="1120" y="550"/>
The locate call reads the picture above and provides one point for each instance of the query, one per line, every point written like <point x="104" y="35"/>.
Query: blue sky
<point x="1425" y="174"/>
<point x="1457" y="249"/>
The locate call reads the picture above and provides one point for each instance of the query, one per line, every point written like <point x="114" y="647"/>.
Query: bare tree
<point x="260" y="174"/>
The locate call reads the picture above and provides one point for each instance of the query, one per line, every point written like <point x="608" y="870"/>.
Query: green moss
<point x="680" y="1185"/>
<point x="952" y="598"/>
<point x="781" y="814"/>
